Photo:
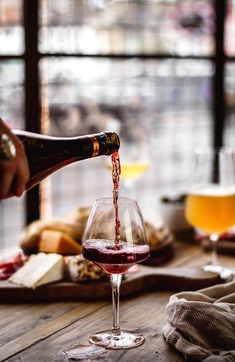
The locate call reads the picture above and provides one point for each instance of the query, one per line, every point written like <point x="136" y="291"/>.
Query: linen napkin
<point x="201" y="324"/>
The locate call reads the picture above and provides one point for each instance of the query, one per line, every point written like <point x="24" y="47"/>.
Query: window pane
<point x="230" y="29"/>
<point x="11" y="30"/>
<point x="230" y="104"/>
<point x="182" y="27"/>
<point x="12" y="222"/>
<point x="12" y="92"/>
<point x="12" y="111"/>
<point x="163" y="103"/>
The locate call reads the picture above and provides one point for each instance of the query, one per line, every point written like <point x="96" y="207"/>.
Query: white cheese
<point x="40" y="269"/>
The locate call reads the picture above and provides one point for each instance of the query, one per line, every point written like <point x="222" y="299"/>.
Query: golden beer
<point x="212" y="210"/>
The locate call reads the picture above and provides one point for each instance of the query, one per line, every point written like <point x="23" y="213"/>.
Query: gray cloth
<point x="201" y="324"/>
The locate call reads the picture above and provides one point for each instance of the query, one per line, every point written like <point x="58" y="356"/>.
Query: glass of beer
<point x="210" y="205"/>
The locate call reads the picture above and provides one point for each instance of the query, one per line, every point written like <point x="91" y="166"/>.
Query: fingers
<point x="13" y="178"/>
<point x="21" y="179"/>
<point x="14" y="173"/>
<point x="7" y="171"/>
<point x="22" y="170"/>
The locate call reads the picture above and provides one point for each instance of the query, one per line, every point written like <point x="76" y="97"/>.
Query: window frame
<point x="31" y="58"/>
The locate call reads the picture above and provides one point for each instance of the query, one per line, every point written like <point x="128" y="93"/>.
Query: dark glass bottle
<point x="47" y="154"/>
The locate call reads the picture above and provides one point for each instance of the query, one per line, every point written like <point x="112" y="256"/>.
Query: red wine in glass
<point x="112" y="260"/>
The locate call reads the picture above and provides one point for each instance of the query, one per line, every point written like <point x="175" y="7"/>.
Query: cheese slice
<point x="53" y="241"/>
<point x="40" y="269"/>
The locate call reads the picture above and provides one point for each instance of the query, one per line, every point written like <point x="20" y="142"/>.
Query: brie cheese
<point x="40" y="269"/>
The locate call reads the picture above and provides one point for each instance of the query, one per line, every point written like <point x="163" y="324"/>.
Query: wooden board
<point x="161" y="253"/>
<point x="223" y="246"/>
<point x="144" y="279"/>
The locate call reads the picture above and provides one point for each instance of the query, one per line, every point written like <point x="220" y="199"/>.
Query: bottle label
<point x="96" y="147"/>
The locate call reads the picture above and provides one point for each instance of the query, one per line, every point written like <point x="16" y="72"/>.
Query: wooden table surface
<point x="41" y="332"/>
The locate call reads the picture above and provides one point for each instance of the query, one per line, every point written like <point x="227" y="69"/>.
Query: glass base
<point x="225" y="274"/>
<point x="117" y="339"/>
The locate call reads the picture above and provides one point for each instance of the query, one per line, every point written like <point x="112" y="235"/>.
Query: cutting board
<point x="138" y="280"/>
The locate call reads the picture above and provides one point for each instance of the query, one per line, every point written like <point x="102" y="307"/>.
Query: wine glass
<point x="135" y="161"/>
<point x="135" y="158"/>
<point x="210" y="205"/>
<point x="115" y="250"/>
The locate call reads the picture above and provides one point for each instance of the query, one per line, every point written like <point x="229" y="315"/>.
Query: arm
<point x="14" y="172"/>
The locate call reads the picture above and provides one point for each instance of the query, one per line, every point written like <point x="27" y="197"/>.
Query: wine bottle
<point x="47" y="154"/>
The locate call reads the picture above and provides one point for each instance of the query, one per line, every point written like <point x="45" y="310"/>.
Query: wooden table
<point x="41" y="332"/>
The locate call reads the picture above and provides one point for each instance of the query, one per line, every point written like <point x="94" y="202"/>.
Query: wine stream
<point x="116" y="171"/>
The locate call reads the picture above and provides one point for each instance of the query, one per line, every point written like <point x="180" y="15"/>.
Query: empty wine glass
<point x="115" y="250"/>
<point x="210" y="205"/>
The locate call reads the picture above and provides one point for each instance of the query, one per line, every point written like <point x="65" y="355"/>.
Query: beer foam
<point x="212" y="190"/>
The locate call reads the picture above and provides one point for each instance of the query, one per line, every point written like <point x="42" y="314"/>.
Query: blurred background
<point x="159" y="73"/>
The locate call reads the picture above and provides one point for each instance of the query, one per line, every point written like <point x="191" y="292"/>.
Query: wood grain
<point x="36" y="326"/>
<point x="144" y="314"/>
<point x="40" y="332"/>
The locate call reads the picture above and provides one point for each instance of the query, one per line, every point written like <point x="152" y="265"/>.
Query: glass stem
<point x="214" y="238"/>
<point x="115" y="280"/>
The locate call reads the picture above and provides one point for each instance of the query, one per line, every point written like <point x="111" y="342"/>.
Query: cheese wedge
<point x="39" y="269"/>
<point x="52" y="241"/>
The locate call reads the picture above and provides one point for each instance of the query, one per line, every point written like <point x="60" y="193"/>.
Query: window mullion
<point x="32" y="92"/>
<point x="218" y="80"/>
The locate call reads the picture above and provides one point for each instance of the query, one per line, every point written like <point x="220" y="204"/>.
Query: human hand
<point x="14" y="170"/>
